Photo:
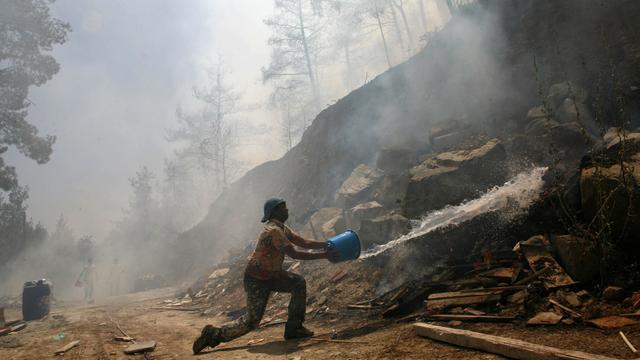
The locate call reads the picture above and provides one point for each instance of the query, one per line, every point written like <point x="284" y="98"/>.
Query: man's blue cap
<point x="269" y="206"/>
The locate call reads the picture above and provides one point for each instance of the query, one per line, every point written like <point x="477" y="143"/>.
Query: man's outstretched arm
<point x="298" y="240"/>
<point x="304" y="255"/>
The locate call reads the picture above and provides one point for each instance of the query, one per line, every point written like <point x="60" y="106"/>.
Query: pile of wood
<point x="525" y="285"/>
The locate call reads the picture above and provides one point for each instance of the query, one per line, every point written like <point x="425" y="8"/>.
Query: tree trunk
<point x="406" y="25"/>
<point x="223" y="162"/>
<point x="289" y="130"/>
<point x="303" y="36"/>
<point x="451" y="6"/>
<point x="347" y="57"/>
<point x="423" y="16"/>
<point x="384" y="41"/>
<point x="217" y="132"/>
<point x="396" y="25"/>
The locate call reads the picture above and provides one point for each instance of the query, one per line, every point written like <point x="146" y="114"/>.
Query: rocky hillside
<point x="531" y="75"/>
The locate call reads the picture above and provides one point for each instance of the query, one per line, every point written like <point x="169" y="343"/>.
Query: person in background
<point x="88" y="278"/>
<point x="264" y="274"/>
<point x="114" y="278"/>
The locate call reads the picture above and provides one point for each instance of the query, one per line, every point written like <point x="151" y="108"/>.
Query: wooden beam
<point x="461" y="294"/>
<point x="511" y="348"/>
<point x="484" y="318"/>
<point x="569" y="310"/>
<point x="467" y="300"/>
<point x="497" y="288"/>
<point x="535" y="275"/>
<point x="626" y="341"/>
<point x="141" y="347"/>
<point x="67" y="347"/>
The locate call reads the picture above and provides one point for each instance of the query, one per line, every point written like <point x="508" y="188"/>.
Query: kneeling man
<point x="264" y="274"/>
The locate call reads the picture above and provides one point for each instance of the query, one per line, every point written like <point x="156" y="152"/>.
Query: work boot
<point x="297" y="333"/>
<point x="208" y="337"/>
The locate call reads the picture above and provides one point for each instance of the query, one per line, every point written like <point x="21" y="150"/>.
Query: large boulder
<point x="390" y="192"/>
<point x="540" y="126"/>
<point x="571" y="111"/>
<point x="449" y="133"/>
<point x="382" y="229"/>
<point x="333" y="227"/>
<point x="368" y="210"/>
<point x="451" y="177"/>
<point x="566" y="113"/>
<point x="566" y="90"/>
<point x="535" y="114"/>
<point x="609" y="197"/>
<point x="359" y="185"/>
<point x="579" y="257"/>
<point x="395" y="160"/>
<point x="313" y="229"/>
<point x="620" y="144"/>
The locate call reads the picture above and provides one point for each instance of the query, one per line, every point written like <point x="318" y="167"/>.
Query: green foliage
<point x="17" y="232"/>
<point x="27" y="33"/>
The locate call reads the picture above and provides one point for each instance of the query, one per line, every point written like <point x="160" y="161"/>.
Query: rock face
<point x="568" y="118"/>
<point x="613" y="293"/>
<point x="451" y="177"/>
<point x="400" y="104"/>
<point x="396" y="161"/>
<point x="621" y="145"/>
<point x="609" y="196"/>
<point x="359" y="185"/>
<point x="382" y="229"/>
<point x="315" y="226"/>
<point x="580" y="258"/>
<point x="369" y="210"/>
<point x="446" y="134"/>
<point x="335" y="226"/>
<point x="562" y="91"/>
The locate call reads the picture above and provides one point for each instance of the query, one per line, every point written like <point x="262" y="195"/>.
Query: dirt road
<point x="174" y="331"/>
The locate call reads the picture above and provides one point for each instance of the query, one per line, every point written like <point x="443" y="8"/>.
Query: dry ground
<point x="174" y="332"/>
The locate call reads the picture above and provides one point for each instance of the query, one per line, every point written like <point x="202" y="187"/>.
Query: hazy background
<point x="120" y="183"/>
<point x="124" y="69"/>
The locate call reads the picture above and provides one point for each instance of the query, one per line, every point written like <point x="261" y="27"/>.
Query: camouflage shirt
<point x="266" y="260"/>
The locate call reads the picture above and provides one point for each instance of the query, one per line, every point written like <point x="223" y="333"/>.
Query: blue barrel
<point x="35" y="299"/>
<point x="347" y="244"/>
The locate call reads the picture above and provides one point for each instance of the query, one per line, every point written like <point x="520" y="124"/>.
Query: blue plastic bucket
<point x="347" y="244"/>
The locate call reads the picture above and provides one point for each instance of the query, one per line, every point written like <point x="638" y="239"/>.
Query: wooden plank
<point x="141" y="347"/>
<point x="19" y="326"/>
<point x="497" y="288"/>
<point x="460" y="294"/>
<point x="511" y="348"/>
<point x="67" y="347"/>
<point x="502" y="273"/>
<point x="611" y="322"/>
<point x="517" y="269"/>
<point x="626" y="341"/>
<point x="480" y="318"/>
<point x="569" y="310"/>
<point x="469" y="300"/>
<point x="545" y="318"/>
<point x="538" y="259"/>
<point x="339" y="341"/>
<point x="360" y="307"/>
<point x="535" y="275"/>
<point x="635" y="314"/>
<point x="123" y="338"/>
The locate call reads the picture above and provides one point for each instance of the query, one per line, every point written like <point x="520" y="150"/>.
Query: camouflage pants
<point x="258" y="292"/>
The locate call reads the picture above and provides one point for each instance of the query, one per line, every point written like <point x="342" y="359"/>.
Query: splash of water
<point x="511" y="199"/>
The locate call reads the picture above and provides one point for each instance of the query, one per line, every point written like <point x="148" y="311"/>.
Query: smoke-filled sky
<point x="126" y="67"/>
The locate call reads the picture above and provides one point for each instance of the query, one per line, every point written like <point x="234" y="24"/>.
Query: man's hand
<point x="333" y="255"/>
